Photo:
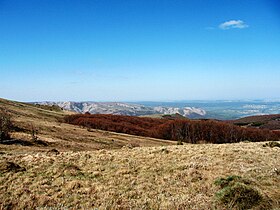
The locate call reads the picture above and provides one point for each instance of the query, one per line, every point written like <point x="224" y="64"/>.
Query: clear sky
<point x="130" y="50"/>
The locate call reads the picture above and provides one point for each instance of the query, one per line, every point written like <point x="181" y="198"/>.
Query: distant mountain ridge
<point x="120" y="108"/>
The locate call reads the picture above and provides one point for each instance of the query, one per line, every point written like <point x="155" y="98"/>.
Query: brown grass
<point x="76" y="170"/>
<point x="172" y="177"/>
<point x="62" y="136"/>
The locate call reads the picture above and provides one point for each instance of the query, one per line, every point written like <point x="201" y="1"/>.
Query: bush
<point x="5" y="125"/>
<point x="237" y="193"/>
<point x="34" y="133"/>
<point x="257" y="124"/>
<point x="272" y="144"/>
<point x="179" y="142"/>
<point x="223" y="182"/>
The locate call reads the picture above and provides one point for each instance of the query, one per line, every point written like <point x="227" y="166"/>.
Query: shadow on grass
<point x="24" y="142"/>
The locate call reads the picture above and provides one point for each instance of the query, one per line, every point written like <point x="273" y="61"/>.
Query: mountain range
<point x="120" y="108"/>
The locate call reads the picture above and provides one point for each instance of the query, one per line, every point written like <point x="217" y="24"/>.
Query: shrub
<point x="272" y="144"/>
<point x="179" y="142"/>
<point x="34" y="132"/>
<point x="223" y="182"/>
<point x="241" y="123"/>
<point x="5" y="125"/>
<point x="237" y="193"/>
<point x="49" y="107"/>
<point x="257" y="124"/>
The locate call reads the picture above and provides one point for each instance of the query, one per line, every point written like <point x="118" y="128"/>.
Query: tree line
<point x="185" y="130"/>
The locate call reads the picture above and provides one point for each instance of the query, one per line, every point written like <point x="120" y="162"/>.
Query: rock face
<point x="186" y="111"/>
<point x="119" y="108"/>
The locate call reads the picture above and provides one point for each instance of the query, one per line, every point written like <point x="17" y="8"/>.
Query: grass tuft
<point x="71" y="170"/>
<point x="237" y="192"/>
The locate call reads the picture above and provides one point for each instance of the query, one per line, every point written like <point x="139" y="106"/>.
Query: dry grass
<point x="62" y="136"/>
<point x="172" y="177"/>
<point x="89" y="171"/>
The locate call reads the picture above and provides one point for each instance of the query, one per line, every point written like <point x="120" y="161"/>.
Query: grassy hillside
<point x="271" y="122"/>
<point x="56" y="134"/>
<point x="165" y="116"/>
<point x="76" y="168"/>
<point x="172" y="177"/>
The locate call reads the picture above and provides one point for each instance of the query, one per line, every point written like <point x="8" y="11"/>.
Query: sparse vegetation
<point x="49" y="107"/>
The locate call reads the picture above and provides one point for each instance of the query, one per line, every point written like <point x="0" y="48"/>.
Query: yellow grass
<point x="172" y="177"/>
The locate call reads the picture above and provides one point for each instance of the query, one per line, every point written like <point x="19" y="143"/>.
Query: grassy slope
<point x="169" y="177"/>
<point x="63" y="136"/>
<point x="165" y="116"/>
<point x="271" y="122"/>
<point x="172" y="177"/>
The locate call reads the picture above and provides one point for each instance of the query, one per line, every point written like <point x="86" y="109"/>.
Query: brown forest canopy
<point x="191" y="131"/>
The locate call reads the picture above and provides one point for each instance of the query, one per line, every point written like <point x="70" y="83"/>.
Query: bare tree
<point x="5" y="125"/>
<point x="34" y="132"/>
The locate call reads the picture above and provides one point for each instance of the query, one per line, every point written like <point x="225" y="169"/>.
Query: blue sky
<point x="135" y="50"/>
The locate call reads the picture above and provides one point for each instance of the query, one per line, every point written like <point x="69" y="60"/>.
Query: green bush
<point x="257" y="124"/>
<point x="237" y="193"/>
<point x="223" y="182"/>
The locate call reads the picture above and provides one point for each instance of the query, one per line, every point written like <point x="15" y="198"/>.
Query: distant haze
<point x="223" y="110"/>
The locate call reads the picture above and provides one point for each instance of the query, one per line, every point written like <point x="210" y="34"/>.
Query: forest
<point x="183" y="130"/>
